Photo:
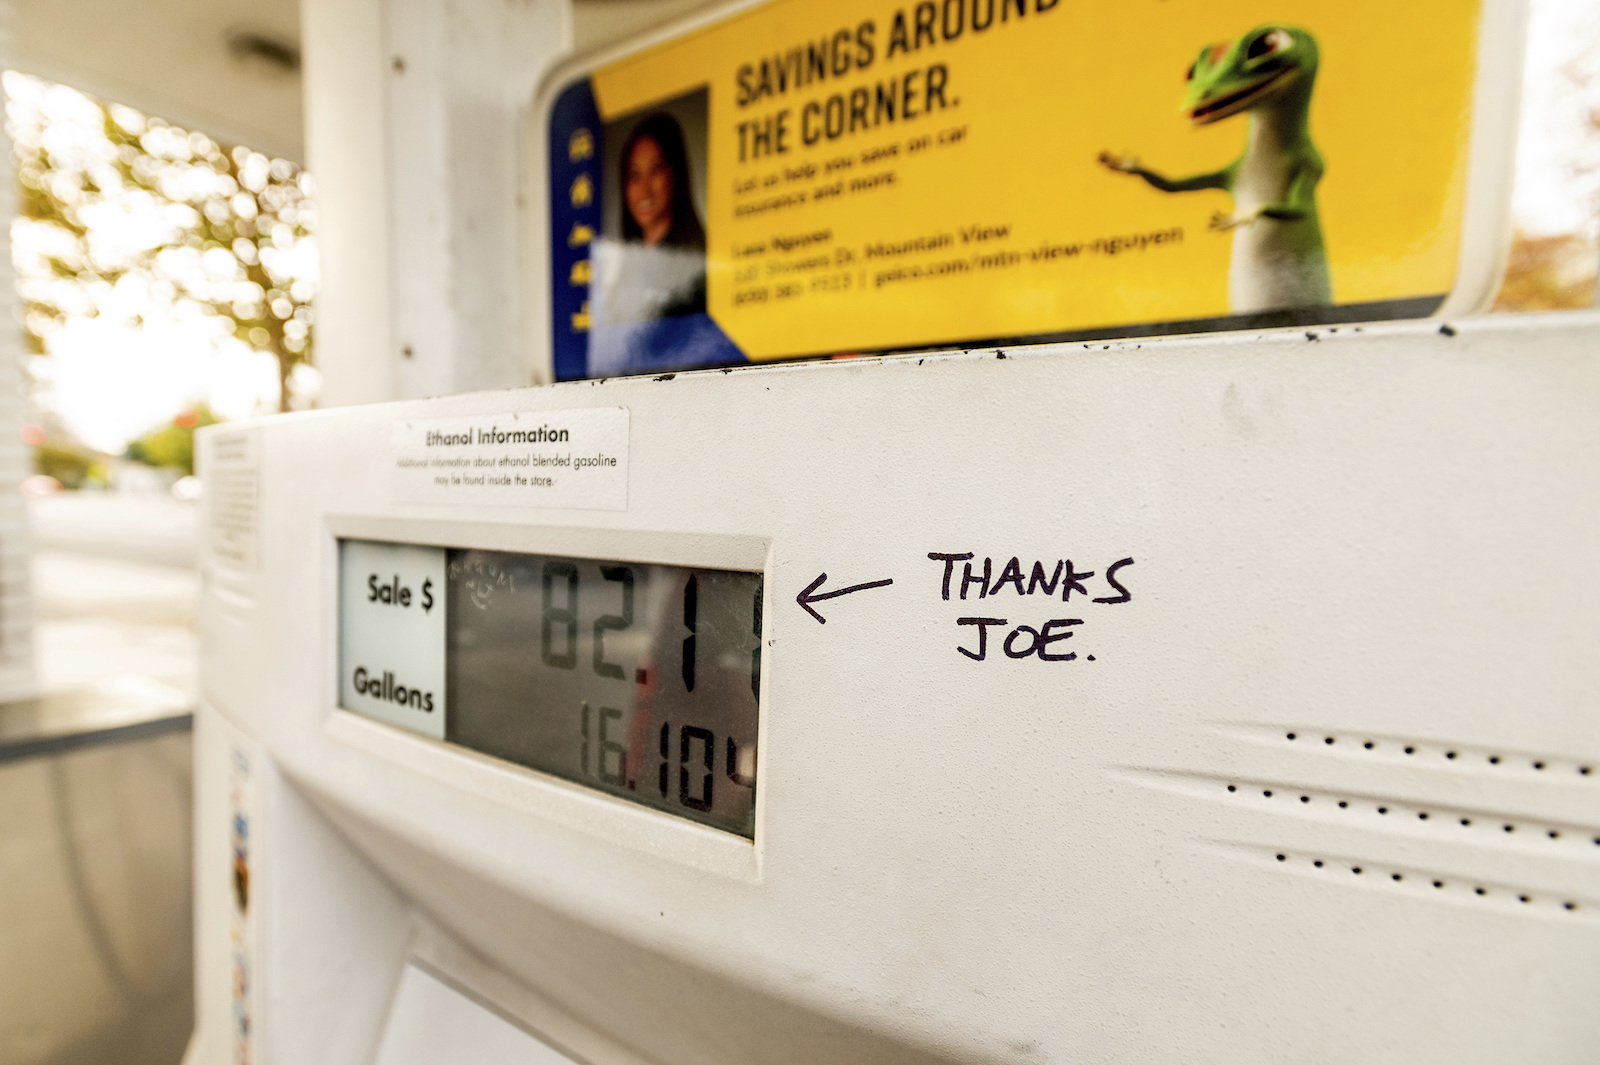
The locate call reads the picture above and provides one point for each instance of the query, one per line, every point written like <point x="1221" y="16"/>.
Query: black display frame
<point x="710" y="748"/>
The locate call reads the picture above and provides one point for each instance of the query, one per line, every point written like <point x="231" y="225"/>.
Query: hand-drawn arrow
<point x="805" y="598"/>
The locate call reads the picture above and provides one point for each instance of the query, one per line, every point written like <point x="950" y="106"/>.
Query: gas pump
<point x="1130" y="654"/>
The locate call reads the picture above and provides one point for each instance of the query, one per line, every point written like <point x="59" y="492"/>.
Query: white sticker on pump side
<point x="391" y="634"/>
<point x="552" y="458"/>
<point x="230" y="466"/>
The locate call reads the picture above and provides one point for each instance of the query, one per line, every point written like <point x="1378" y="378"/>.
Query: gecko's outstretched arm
<point x="1127" y="164"/>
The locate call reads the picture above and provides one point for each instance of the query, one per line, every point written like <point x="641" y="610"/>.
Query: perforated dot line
<point x="1506" y="827"/>
<point x="1438" y="883"/>
<point x="1450" y="754"/>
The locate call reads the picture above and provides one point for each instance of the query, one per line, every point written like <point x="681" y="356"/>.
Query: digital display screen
<point x="639" y="680"/>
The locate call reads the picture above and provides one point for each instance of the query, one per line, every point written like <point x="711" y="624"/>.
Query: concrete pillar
<point x="16" y="603"/>
<point x="414" y="120"/>
<point x="345" y="81"/>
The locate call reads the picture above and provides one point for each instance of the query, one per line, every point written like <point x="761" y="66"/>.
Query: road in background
<point x="115" y="585"/>
<point x="154" y="529"/>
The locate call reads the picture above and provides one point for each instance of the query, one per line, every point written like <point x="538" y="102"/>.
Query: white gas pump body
<point x="1320" y="783"/>
<point x="1329" y="789"/>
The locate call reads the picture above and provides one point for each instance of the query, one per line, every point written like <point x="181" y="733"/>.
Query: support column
<point x="415" y="127"/>
<point x="17" y="677"/>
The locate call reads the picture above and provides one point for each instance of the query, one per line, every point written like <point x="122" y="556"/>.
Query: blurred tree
<point x="74" y="465"/>
<point x="1548" y="273"/>
<point x="234" y="236"/>
<point x="1556" y="270"/>
<point x="172" y="445"/>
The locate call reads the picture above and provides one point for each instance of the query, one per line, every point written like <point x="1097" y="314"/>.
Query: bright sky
<point x="130" y="355"/>
<point x="111" y="378"/>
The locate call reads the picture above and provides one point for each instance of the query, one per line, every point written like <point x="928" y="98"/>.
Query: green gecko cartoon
<point x="1278" y="256"/>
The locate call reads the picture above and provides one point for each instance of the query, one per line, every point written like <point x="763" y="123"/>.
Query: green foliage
<point x="234" y="236"/>
<point x="172" y="445"/>
<point x="72" y="466"/>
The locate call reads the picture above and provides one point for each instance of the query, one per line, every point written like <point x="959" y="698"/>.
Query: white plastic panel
<point x="1375" y="536"/>
<point x="432" y="1022"/>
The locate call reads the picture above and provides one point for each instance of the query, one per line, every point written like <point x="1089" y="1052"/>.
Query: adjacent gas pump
<point x="1042" y="685"/>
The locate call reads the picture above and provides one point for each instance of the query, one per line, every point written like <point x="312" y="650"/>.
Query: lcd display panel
<point x="636" y="679"/>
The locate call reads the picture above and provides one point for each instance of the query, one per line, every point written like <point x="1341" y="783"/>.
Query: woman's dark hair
<point x="686" y="231"/>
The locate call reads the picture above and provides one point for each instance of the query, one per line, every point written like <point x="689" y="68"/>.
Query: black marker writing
<point x="1064" y="576"/>
<point x="983" y="636"/>
<point x="949" y="566"/>
<point x="1026" y="641"/>
<point x="1111" y="579"/>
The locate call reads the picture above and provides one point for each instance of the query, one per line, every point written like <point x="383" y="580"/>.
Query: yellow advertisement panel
<point x="814" y="177"/>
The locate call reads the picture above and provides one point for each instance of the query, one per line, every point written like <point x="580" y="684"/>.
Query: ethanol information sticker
<point x="816" y="177"/>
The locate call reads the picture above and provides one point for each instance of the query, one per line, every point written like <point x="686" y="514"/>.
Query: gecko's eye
<point x="1190" y="76"/>
<point x="1269" y="43"/>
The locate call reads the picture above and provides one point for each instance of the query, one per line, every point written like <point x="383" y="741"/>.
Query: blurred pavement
<point x="115" y="585"/>
<point x="96" y="958"/>
<point x="96" y="963"/>
<point x="153" y="529"/>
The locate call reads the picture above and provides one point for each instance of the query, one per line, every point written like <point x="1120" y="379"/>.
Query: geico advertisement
<point x="816" y="177"/>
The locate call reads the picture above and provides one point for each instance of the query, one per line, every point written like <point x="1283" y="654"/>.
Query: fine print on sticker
<point x="815" y="177"/>
<point x="572" y="458"/>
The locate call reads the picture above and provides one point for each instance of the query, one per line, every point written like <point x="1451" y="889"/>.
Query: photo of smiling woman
<point x="656" y="187"/>
<point x="651" y="263"/>
<point x="648" y="289"/>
